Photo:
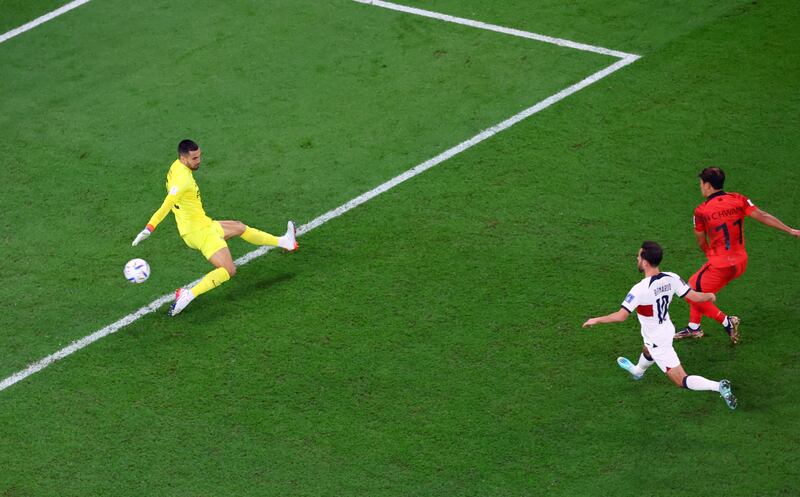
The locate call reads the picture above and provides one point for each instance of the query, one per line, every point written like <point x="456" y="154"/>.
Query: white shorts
<point x="663" y="353"/>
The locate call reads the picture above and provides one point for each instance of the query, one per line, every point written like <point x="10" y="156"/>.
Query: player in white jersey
<point x="650" y="298"/>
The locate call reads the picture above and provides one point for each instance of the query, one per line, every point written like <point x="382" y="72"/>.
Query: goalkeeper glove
<point x="142" y="235"/>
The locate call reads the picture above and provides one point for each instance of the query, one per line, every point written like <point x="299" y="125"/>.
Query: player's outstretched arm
<point x="615" y="317"/>
<point x="774" y="222"/>
<point x="157" y="217"/>
<point x="700" y="296"/>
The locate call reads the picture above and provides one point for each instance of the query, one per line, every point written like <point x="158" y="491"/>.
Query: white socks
<point x="642" y="365"/>
<point x="695" y="382"/>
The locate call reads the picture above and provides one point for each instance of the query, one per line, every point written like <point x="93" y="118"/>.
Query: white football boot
<point x="182" y="299"/>
<point x="288" y="241"/>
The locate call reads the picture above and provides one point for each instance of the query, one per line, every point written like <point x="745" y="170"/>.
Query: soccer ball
<point x="137" y="270"/>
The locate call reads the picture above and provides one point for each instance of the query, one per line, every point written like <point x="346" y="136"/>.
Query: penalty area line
<point x="328" y="216"/>
<point x="41" y="20"/>
<point x="561" y="42"/>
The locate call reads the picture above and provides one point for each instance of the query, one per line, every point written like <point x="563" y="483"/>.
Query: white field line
<point x="41" y="20"/>
<point x="499" y="29"/>
<point x="625" y="59"/>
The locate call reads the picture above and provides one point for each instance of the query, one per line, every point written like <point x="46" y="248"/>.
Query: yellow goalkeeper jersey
<point x="183" y="199"/>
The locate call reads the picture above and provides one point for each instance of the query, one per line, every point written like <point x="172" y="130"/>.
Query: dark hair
<point x="713" y="175"/>
<point x="186" y="146"/>
<point x="652" y="253"/>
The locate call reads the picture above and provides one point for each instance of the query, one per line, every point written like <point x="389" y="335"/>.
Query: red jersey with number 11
<point x="721" y="217"/>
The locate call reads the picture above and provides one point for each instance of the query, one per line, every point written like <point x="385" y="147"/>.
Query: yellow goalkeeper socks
<point x="210" y="281"/>
<point x="257" y="237"/>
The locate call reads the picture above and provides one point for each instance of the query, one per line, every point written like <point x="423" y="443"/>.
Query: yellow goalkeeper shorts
<point x="208" y="241"/>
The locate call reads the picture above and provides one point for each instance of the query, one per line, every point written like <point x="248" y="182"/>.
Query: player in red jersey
<point x="719" y="229"/>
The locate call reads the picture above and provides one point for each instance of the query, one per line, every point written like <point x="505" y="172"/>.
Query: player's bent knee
<point x="678" y="383"/>
<point x="676" y="377"/>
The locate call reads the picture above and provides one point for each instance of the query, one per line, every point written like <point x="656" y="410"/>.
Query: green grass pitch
<point x="428" y="342"/>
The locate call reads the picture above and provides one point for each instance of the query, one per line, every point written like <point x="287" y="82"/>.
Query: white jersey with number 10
<point x="650" y="298"/>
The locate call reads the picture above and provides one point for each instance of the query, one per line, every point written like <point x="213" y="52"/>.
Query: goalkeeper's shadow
<point x="244" y="286"/>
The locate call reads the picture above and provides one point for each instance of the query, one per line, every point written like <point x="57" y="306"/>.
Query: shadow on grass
<point x="241" y="290"/>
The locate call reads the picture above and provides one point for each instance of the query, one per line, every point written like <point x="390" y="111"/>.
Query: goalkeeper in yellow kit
<point x="199" y="231"/>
